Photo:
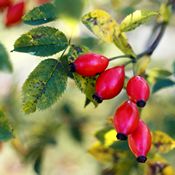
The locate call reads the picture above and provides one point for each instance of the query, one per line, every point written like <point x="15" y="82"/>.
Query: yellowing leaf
<point x="121" y="41"/>
<point x="165" y="13"/>
<point x="110" y="137"/>
<point x="100" y="134"/>
<point x="159" y="166"/>
<point x="168" y="170"/>
<point x="135" y="19"/>
<point x="101" y="153"/>
<point x="163" y="142"/>
<point x="101" y="24"/>
<point x="142" y="65"/>
<point x="85" y="84"/>
<point x="107" y="29"/>
<point x="159" y="73"/>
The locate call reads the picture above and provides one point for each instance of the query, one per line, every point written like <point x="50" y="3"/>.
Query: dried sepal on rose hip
<point x="14" y="13"/>
<point x="138" y="90"/>
<point x="140" y="142"/>
<point x="109" y="83"/>
<point x="126" y="119"/>
<point x="89" y="64"/>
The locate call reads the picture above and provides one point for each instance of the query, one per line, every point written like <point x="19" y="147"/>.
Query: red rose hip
<point x="14" y="13"/>
<point x="126" y="119"/>
<point x="4" y="4"/>
<point x="138" y="90"/>
<point x="140" y="141"/>
<point x="109" y="83"/>
<point x="89" y="64"/>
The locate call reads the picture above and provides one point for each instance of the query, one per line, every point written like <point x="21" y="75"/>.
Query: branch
<point x="121" y="56"/>
<point x="155" y="31"/>
<point x="155" y="43"/>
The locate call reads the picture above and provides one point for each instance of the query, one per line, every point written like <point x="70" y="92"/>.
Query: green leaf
<point x="127" y="10"/>
<point x="159" y="73"/>
<point x="69" y="8"/>
<point x="136" y="19"/>
<point x="40" y="15"/>
<point x="44" y="86"/>
<point x="162" y="83"/>
<point x="87" y="102"/>
<point x="37" y="165"/>
<point x="5" y="64"/>
<point x="5" y="128"/>
<point x="120" y="146"/>
<point x="85" y="84"/>
<point x="75" y="130"/>
<point x="174" y="67"/>
<point x="41" y="41"/>
<point x="107" y="29"/>
<point x="126" y="163"/>
<point x="40" y="135"/>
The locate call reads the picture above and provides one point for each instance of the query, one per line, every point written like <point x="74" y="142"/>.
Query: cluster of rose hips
<point x="14" y="10"/>
<point x="109" y="84"/>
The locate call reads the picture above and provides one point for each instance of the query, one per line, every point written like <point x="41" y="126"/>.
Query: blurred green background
<point x="63" y="133"/>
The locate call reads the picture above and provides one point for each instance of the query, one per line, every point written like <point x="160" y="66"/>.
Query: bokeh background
<point x="65" y="131"/>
